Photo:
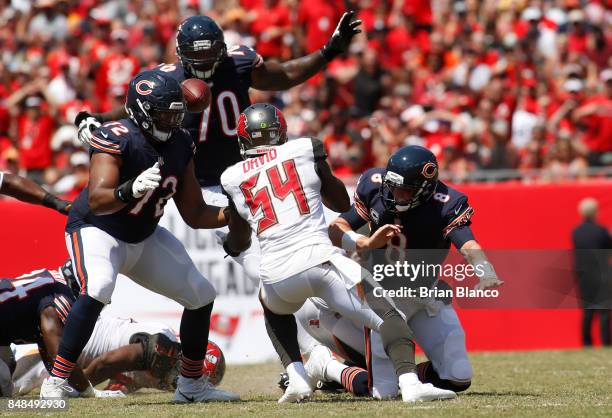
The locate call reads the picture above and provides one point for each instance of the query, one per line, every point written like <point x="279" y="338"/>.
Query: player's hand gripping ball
<point x="197" y="95"/>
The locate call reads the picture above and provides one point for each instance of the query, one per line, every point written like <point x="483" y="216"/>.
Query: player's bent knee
<point x="461" y="371"/>
<point x="200" y="292"/>
<point x="457" y="386"/>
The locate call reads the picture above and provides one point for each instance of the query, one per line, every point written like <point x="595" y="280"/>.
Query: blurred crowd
<point x="523" y="85"/>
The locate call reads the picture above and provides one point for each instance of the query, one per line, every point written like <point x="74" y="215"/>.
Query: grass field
<point x="536" y="384"/>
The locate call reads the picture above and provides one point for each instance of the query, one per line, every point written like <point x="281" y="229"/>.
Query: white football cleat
<point x="320" y="356"/>
<point x="297" y="390"/>
<point x="414" y="391"/>
<point x="55" y="387"/>
<point x="200" y="390"/>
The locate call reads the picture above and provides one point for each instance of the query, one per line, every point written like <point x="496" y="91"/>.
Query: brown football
<point x="197" y="95"/>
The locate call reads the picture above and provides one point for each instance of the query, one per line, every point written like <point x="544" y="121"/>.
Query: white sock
<point x="296" y="371"/>
<point x="333" y="371"/>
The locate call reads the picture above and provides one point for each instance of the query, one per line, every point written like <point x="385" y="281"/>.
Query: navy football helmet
<point x="156" y="104"/>
<point x="260" y="126"/>
<point x="411" y="178"/>
<point x="200" y="46"/>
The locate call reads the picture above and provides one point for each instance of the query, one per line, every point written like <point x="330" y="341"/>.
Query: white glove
<point x="147" y="180"/>
<point x="108" y="393"/>
<point x="92" y="392"/>
<point x="86" y="128"/>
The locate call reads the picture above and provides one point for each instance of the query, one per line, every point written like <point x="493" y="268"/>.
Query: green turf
<point x="535" y="384"/>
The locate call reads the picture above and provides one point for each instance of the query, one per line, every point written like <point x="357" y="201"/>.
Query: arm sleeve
<point x="106" y="141"/>
<point x="358" y="215"/>
<point x="458" y="219"/>
<point x="318" y="150"/>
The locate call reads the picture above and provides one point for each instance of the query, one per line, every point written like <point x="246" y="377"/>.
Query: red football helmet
<point x="214" y="363"/>
<point x="260" y="126"/>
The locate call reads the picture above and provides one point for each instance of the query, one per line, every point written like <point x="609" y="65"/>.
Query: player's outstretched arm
<point x="239" y="236"/>
<point x="273" y="75"/>
<point x="120" y="360"/>
<point x="51" y="328"/>
<point x="342" y="235"/>
<point x="474" y="254"/>
<point x="89" y="122"/>
<point x="333" y="191"/>
<point x="190" y="203"/>
<point x="27" y="191"/>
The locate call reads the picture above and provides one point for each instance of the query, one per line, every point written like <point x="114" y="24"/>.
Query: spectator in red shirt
<point x="271" y="22"/>
<point x="597" y="115"/>
<point x="116" y="70"/>
<point x="317" y="19"/>
<point x="34" y="130"/>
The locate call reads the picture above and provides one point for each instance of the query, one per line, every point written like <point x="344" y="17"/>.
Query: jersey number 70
<point x="281" y="189"/>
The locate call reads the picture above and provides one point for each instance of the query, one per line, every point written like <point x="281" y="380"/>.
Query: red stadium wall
<point x="506" y="216"/>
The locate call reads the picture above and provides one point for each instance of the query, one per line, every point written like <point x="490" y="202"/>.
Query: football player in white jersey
<point x="131" y="354"/>
<point x="278" y="192"/>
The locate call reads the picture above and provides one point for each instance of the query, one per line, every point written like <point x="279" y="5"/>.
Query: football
<point x="197" y="95"/>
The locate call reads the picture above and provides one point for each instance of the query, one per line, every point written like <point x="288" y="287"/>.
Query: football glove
<point x="86" y="124"/>
<point x="341" y="38"/>
<point x="147" y="180"/>
<point x="54" y="202"/>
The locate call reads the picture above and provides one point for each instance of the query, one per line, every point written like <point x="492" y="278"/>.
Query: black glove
<point x="54" y="202"/>
<point x="342" y="36"/>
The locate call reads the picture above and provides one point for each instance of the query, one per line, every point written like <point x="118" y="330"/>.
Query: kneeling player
<point x="38" y="304"/>
<point x="408" y="197"/>
<point x="137" y="165"/>
<point x="278" y="192"/>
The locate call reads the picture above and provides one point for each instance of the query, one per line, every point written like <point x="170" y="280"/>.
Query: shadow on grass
<point x="498" y="394"/>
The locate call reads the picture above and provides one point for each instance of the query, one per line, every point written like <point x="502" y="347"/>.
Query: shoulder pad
<point x="174" y="70"/>
<point x="245" y="59"/>
<point x="368" y="186"/>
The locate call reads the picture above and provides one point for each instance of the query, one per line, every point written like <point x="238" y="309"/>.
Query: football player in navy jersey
<point x="229" y="72"/>
<point x="137" y="165"/>
<point x="37" y="304"/>
<point x="26" y="190"/>
<point x="407" y="208"/>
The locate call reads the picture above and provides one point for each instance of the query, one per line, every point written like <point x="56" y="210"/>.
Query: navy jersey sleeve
<point x="368" y="186"/>
<point x="458" y="218"/>
<point x="244" y="60"/>
<point x="110" y="138"/>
